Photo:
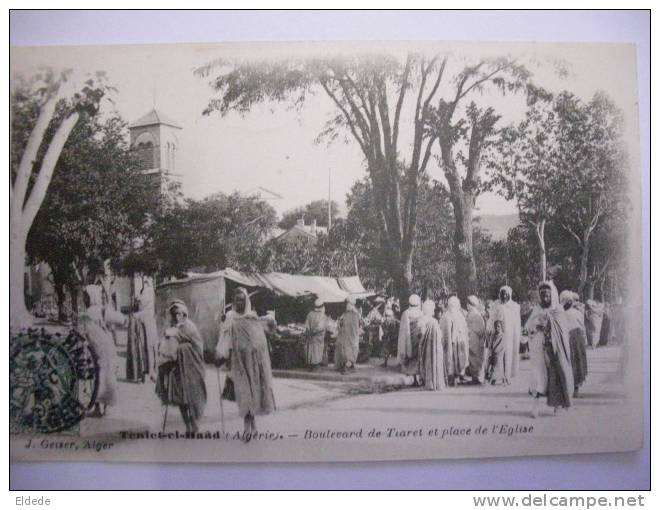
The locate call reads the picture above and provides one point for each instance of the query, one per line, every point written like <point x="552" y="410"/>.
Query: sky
<point x="274" y="147"/>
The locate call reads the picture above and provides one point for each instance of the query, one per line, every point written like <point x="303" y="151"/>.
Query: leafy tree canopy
<point x="97" y="203"/>
<point x="316" y="210"/>
<point x="211" y="234"/>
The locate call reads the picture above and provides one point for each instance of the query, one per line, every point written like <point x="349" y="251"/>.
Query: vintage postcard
<point x="277" y="252"/>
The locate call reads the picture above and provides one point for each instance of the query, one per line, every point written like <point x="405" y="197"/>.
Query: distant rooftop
<point x="154" y="117"/>
<point x="311" y="231"/>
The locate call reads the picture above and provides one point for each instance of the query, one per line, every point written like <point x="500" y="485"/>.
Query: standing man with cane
<point x="181" y="380"/>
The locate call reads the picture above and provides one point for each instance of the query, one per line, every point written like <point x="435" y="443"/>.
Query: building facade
<point x="154" y="137"/>
<point x="301" y="230"/>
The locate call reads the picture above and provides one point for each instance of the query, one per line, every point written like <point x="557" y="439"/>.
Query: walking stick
<point x="222" y="412"/>
<point x="165" y="418"/>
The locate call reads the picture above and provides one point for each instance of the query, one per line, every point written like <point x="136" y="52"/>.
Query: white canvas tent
<point x="204" y="294"/>
<point x="354" y="287"/>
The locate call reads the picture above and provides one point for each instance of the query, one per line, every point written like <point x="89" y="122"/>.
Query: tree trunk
<point x="463" y="194"/>
<point x="61" y="301"/>
<point x="466" y="270"/>
<point x="20" y="317"/>
<point x="589" y="290"/>
<point x="74" y="290"/>
<point x="24" y="208"/>
<point x="540" y="236"/>
<point x="584" y="270"/>
<point x="130" y="339"/>
<point x="59" y="285"/>
<point x="403" y="282"/>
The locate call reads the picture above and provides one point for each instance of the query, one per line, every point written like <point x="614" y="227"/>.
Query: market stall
<point x="284" y="298"/>
<point x="204" y="295"/>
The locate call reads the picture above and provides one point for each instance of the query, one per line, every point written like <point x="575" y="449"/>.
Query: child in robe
<point x="495" y="358"/>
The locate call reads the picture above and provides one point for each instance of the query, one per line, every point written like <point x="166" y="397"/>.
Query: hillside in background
<point x="497" y="225"/>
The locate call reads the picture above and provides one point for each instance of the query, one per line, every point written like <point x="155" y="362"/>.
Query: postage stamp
<point x="53" y="381"/>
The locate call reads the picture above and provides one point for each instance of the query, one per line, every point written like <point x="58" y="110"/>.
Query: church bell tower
<point x="154" y="137"/>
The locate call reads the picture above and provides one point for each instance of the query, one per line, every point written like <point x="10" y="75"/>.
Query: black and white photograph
<point x="324" y="251"/>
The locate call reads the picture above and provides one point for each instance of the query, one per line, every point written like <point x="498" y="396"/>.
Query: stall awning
<point x="193" y="278"/>
<point x="292" y="285"/>
<point x="354" y="287"/>
<point x="330" y="290"/>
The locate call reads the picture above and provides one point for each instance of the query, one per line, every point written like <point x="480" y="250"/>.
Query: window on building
<point x="145" y="153"/>
<point x="145" y="147"/>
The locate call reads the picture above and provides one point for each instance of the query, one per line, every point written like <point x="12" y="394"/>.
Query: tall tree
<point x="462" y="136"/>
<point x="522" y="164"/>
<point x="296" y="256"/>
<point x="608" y="260"/>
<point x="593" y="171"/>
<point x="97" y="204"/>
<point x="433" y="264"/>
<point x="368" y="94"/>
<point x="512" y="261"/>
<point x="213" y="233"/>
<point x="566" y="163"/>
<point x="37" y="138"/>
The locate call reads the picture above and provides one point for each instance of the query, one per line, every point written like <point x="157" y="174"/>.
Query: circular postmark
<point x="53" y="381"/>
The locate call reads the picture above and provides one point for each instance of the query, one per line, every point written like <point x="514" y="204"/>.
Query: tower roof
<point x="154" y="117"/>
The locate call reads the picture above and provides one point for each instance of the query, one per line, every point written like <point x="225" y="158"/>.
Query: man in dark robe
<point x="578" y="339"/>
<point x="390" y="334"/>
<point x="138" y="352"/>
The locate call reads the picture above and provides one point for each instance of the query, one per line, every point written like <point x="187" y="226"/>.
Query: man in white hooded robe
<point x="508" y="311"/>
<point x="455" y="339"/>
<point x="407" y="347"/>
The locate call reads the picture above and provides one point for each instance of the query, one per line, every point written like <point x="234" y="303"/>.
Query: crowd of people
<point x="175" y="362"/>
<point x="443" y="344"/>
<point x="438" y="344"/>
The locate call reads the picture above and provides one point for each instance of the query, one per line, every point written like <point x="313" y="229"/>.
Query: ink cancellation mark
<point x="53" y="382"/>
